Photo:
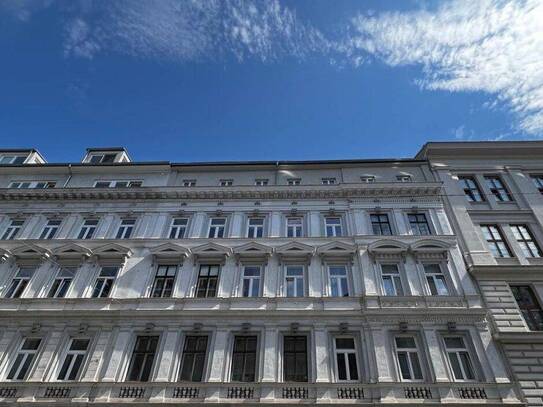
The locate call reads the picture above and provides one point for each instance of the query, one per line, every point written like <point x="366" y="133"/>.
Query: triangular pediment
<point x="30" y="250"/>
<point x="170" y="249"/>
<point x="71" y="250"/>
<point x="212" y="249"/>
<point x="253" y="248"/>
<point x="295" y="247"/>
<point x="112" y="249"/>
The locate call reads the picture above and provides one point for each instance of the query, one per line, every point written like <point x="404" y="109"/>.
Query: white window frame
<point x="346" y="352"/>
<point x="187" y="183"/>
<point x="32" y="353"/>
<point x="501" y="192"/>
<point x="11" y="232"/>
<point x="329" y="181"/>
<point x="216" y="228"/>
<point x="409" y="351"/>
<point x="50" y="231"/>
<point x="526" y="240"/>
<point x="17" y="281"/>
<point x="226" y="182"/>
<point x="88" y="228"/>
<point x="175" y="229"/>
<point x="392" y="279"/>
<point x="132" y="183"/>
<point x="103" y="279"/>
<point x="251" y="280"/>
<point x="467" y="349"/>
<point x="13" y="159"/>
<point x="262" y="182"/>
<point x="295" y="227"/>
<point x="32" y="184"/>
<point x="367" y="179"/>
<point x="334" y="226"/>
<point x="255" y="228"/>
<point x="294" y="181"/>
<point x="295" y="278"/>
<point x="341" y="294"/>
<point x="64" y="279"/>
<point x="434" y="276"/>
<point x="103" y="156"/>
<point x="126" y="230"/>
<point x="75" y="354"/>
<point x="404" y="178"/>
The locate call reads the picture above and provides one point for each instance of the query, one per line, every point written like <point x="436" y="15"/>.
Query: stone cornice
<point x="516" y="272"/>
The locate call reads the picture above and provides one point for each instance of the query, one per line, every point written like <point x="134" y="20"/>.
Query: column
<point x="484" y="345"/>
<point x="143" y="226"/>
<point x="68" y="227"/>
<point x="6" y="342"/>
<point x="97" y="360"/>
<point x="197" y="225"/>
<point x="50" y="349"/>
<point x="156" y="228"/>
<point x="29" y="225"/>
<point x="219" y="356"/>
<point x="314" y="277"/>
<point x="236" y="225"/>
<point x="435" y="353"/>
<point x="104" y="226"/>
<point x="226" y="279"/>
<point x="183" y="283"/>
<point x="314" y="224"/>
<point x="443" y="221"/>
<point x="413" y="276"/>
<point x="269" y="370"/>
<point x="381" y="353"/>
<point x="168" y="354"/>
<point x="271" y="277"/>
<point x="82" y="280"/>
<point x="116" y="356"/>
<point x="40" y="279"/>
<point x="401" y="225"/>
<point x="275" y="224"/>
<point x="322" y="361"/>
<point x="360" y="222"/>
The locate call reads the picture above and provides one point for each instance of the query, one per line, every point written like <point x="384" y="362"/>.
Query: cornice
<point x="516" y="272"/>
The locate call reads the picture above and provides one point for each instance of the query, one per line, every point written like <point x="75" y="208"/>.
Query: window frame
<point x="62" y="287"/>
<point x="217" y="227"/>
<point x="12" y="231"/>
<point x="527" y="312"/>
<point x="524" y="243"/>
<point x="68" y="352"/>
<point x="404" y="178"/>
<point x="293" y="182"/>
<point x="262" y="182"/>
<point x="184" y="352"/>
<point x="30" y="367"/>
<point x="394" y="284"/>
<point x="295" y="227"/>
<point x="333" y="227"/>
<point x="329" y="181"/>
<point x="154" y="363"/>
<point x="165" y="279"/>
<point x="470" y="352"/>
<point x="308" y="362"/>
<point x="255" y="230"/>
<point x="256" y="357"/>
<point x="493" y="242"/>
<point x="50" y="231"/>
<point x="227" y="182"/>
<point x="14" y="290"/>
<point x="355" y="351"/>
<point x="498" y="191"/>
<point x="443" y="271"/>
<point x="189" y="183"/>
<point x="102" y="160"/>
<point x="537" y="180"/>
<point x="117" y="183"/>
<point x="346" y="277"/>
<point x="104" y="280"/>
<point x="380" y="223"/>
<point x="303" y="278"/>
<point x="15" y="159"/>
<point x="86" y="232"/>
<point x="251" y="279"/>
<point x="418" y="223"/>
<point x="367" y="179"/>
<point x="474" y="193"/>
<point x="32" y="184"/>
<point x="419" y="353"/>
<point x="125" y="231"/>
<point x="208" y="278"/>
<point x="185" y="227"/>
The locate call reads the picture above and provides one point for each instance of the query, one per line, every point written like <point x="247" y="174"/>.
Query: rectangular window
<point x="216" y="227"/>
<point x="494" y="239"/>
<point x="189" y="182"/>
<point x="294" y="281"/>
<point x="74" y="359"/>
<point x="529" y="306"/>
<point x="164" y="279"/>
<point x="194" y="357"/>
<point x="419" y="223"/>
<point x="538" y="182"/>
<point x="261" y="182"/>
<point x="50" y="229"/>
<point x="125" y="228"/>
<point x="380" y="224"/>
<point x="178" y="228"/>
<point x="255" y="227"/>
<point x="12" y="159"/>
<point x="244" y="359"/>
<point x="208" y="278"/>
<point x="435" y="278"/>
<point x="367" y="179"/>
<point x="328" y="181"/>
<point x="339" y="285"/>
<point x="104" y="282"/>
<point x="118" y="184"/>
<point x="19" y="282"/>
<point x="346" y="360"/>
<point x="226" y="182"/>
<point x="392" y="282"/>
<point x="294" y="181"/>
<point x="13" y="229"/>
<point x="333" y="226"/>
<point x="471" y="188"/>
<point x="407" y="355"/>
<point x="251" y="281"/>
<point x="459" y="358"/>
<point x="25" y="359"/>
<point x="102" y="158"/>
<point x="526" y="241"/>
<point x="404" y="178"/>
<point x="143" y="357"/>
<point x="62" y="282"/>
<point x="294" y="227"/>
<point x="295" y="359"/>
<point x="498" y="189"/>
<point x="32" y="184"/>
<point x="87" y="229"/>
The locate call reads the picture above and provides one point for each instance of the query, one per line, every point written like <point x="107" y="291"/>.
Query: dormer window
<point x="12" y="159"/>
<point x="367" y="179"/>
<point x="32" y="184"/>
<point x="102" y="158"/>
<point x="189" y="182"/>
<point x="294" y="181"/>
<point x="226" y="182"/>
<point x="118" y="184"/>
<point x="404" y="178"/>
<point x="106" y="155"/>
<point x="328" y="181"/>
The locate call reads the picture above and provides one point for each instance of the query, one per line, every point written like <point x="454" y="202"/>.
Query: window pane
<point x="353" y="368"/>
<point x="342" y="371"/>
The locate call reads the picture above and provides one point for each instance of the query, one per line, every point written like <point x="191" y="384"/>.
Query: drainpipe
<point x="69" y="177"/>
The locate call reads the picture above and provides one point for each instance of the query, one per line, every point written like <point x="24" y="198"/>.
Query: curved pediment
<point x="336" y="248"/>
<point x="388" y="246"/>
<point x="71" y="250"/>
<point x="430" y="245"/>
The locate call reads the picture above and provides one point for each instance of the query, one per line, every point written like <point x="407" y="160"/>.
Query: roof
<point x="480" y="148"/>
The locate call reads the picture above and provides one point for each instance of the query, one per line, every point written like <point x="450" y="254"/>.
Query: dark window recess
<point x="295" y="359"/>
<point x="142" y="360"/>
<point x="529" y="306"/>
<point x="194" y="356"/>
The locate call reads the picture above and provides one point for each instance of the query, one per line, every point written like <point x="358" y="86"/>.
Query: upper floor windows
<point x="217" y="228"/>
<point x="295" y="227"/>
<point x="346" y="359"/>
<point x="251" y="283"/>
<point x="471" y="188"/>
<point x="178" y="228"/>
<point x="261" y="182"/>
<point x="294" y="181"/>
<point x="104" y="283"/>
<point x="380" y="224"/>
<point x="498" y="189"/>
<point x="189" y="182"/>
<point x="142" y="360"/>
<point x="526" y="241"/>
<point x="495" y="241"/>
<point x="126" y="228"/>
<point x="328" y="181"/>
<point x="244" y="358"/>
<point x="32" y="184"/>
<point x="20" y="282"/>
<point x="392" y="281"/>
<point x="26" y="356"/>
<point x="459" y="358"/>
<point x="418" y="223"/>
<point x="404" y="178"/>
<point x="407" y="357"/>
<point x="164" y="280"/>
<point x="208" y="278"/>
<point x="50" y="229"/>
<point x="102" y="158"/>
<point x="226" y="182"/>
<point x="194" y="358"/>
<point x="529" y="306"/>
<point x="118" y="184"/>
<point x="73" y="361"/>
<point x="13" y="159"/>
<point x="87" y="229"/>
<point x="367" y="179"/>
<point x="538" y="182"/>
<point x="332" y="225"/>
<point x="13" y="229"/>
<point x="294" y="281"/>
<point x="295" y="359"/>
<point x="255" y="227"/>
<point x="62" y="282"/>
<point x="338" y="281"/>
<point x="435" y="278"/>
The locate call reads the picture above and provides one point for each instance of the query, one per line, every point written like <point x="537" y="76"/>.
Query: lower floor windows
<point x="74" y="359"/>
<point x="392" y="282"/>
<point x="62" y="282"/>
<point x="295" y="359"/>
<point x="143" y="357"/>
<point x="24" y="359"/>
<point x="194" y="357"/>
<point x="407" y="355"/>
<point x="346" y="360"/>
<point x="435" y="279"/>
<point x="244" y="359"/>
<point x="529" y="306"/>
<point x="294" y="281"/>
<point x="459" y="358"/>
<point x="339" y="284"/>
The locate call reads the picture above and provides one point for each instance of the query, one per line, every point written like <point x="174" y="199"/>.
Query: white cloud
<point x="493" y="46"/>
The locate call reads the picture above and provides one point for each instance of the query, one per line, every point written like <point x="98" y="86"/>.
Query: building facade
<point x="325" y="282"/>
<point x="494" y="199"/>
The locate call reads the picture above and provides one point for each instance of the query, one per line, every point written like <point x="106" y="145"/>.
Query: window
<point x="13" y="229"/>
<point x="380" y="224"/>
<point x="332" y="226"/>
<point x="102" y="158"/>
<point x="118" y="184"/>
<point x="217" y="227"/>
<point x="392" y="282"/>
<point x="498" y="189"/>
<point x="339" y="286"/>
<point x="435" y="279"/>
<point x="294" y="281"/>
<point x="12" y="159"/>
<point x="244" y="359"/>
<point x="164" y="279"/>
<point x="407" y="355"/>
<point x="294" y="181"/>
<point x="189" y="182"/>
<point x="328" y="181"/>
<point x="178" y="228"/>
<point x="459" y="358"/>
<point x="494" y="239"/>
<point x="261" y="182"/>
<point x="419" y="224"/>
<point x="538" y="182"/>
<point x="346" y="363"/>
<point x="208" y="277"/>
<point x="295" y="227"/>
<point x="471" y="189"/>
<point x="125" y="228"/>
<point x="251" y="281"/>
<point x="368" y="179"/>
<point x="88" y="229"/>
<point x="529" y="306"/>
<point x="295" y="359"/>
<point x="50" y="229"/>
<point x="32" y="184"/>
<point x="141" y="363"/>
<point x="526" y="241"/>
<point x="104" y="282"/>
<point x="25" y="359"/>
<point x="226" y="182"/>
<point x="74" y="359"/>
<point x="62" y="282"/>
<point x="194" y="357"/>
<point x="404" y="178"/>
<point x="19" y="282"/>
<point x="255" y="227"/>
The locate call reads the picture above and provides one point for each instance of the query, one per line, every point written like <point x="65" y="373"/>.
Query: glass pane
<point x="417" y="371"/>
<point x="75" y="368"/>
<point x="405" y="343"/>
<point x="186" y="367"/>
<point x="344" y="343"/>
<point x="404" y="366"/>
<point x="342" y="371"/>
<point x="466" y="363"/>
<point x="353" y="368"/>
<point x="455" y="364"/>
<point x="26" y="366"/>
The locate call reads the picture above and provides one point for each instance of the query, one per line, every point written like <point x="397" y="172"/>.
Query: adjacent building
<point x="313" y="282"/>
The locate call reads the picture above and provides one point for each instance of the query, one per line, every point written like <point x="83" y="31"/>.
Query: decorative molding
<point x="169" y="252"/>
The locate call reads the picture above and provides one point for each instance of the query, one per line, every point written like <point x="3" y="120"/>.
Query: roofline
<point x="106" y="149"/>
<point x="471" y="145"/>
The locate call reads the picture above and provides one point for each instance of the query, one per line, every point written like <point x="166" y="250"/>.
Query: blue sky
<point x="250" y="80"/>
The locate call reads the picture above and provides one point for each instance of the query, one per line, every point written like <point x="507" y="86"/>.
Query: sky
<point x="219" y="80"/>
